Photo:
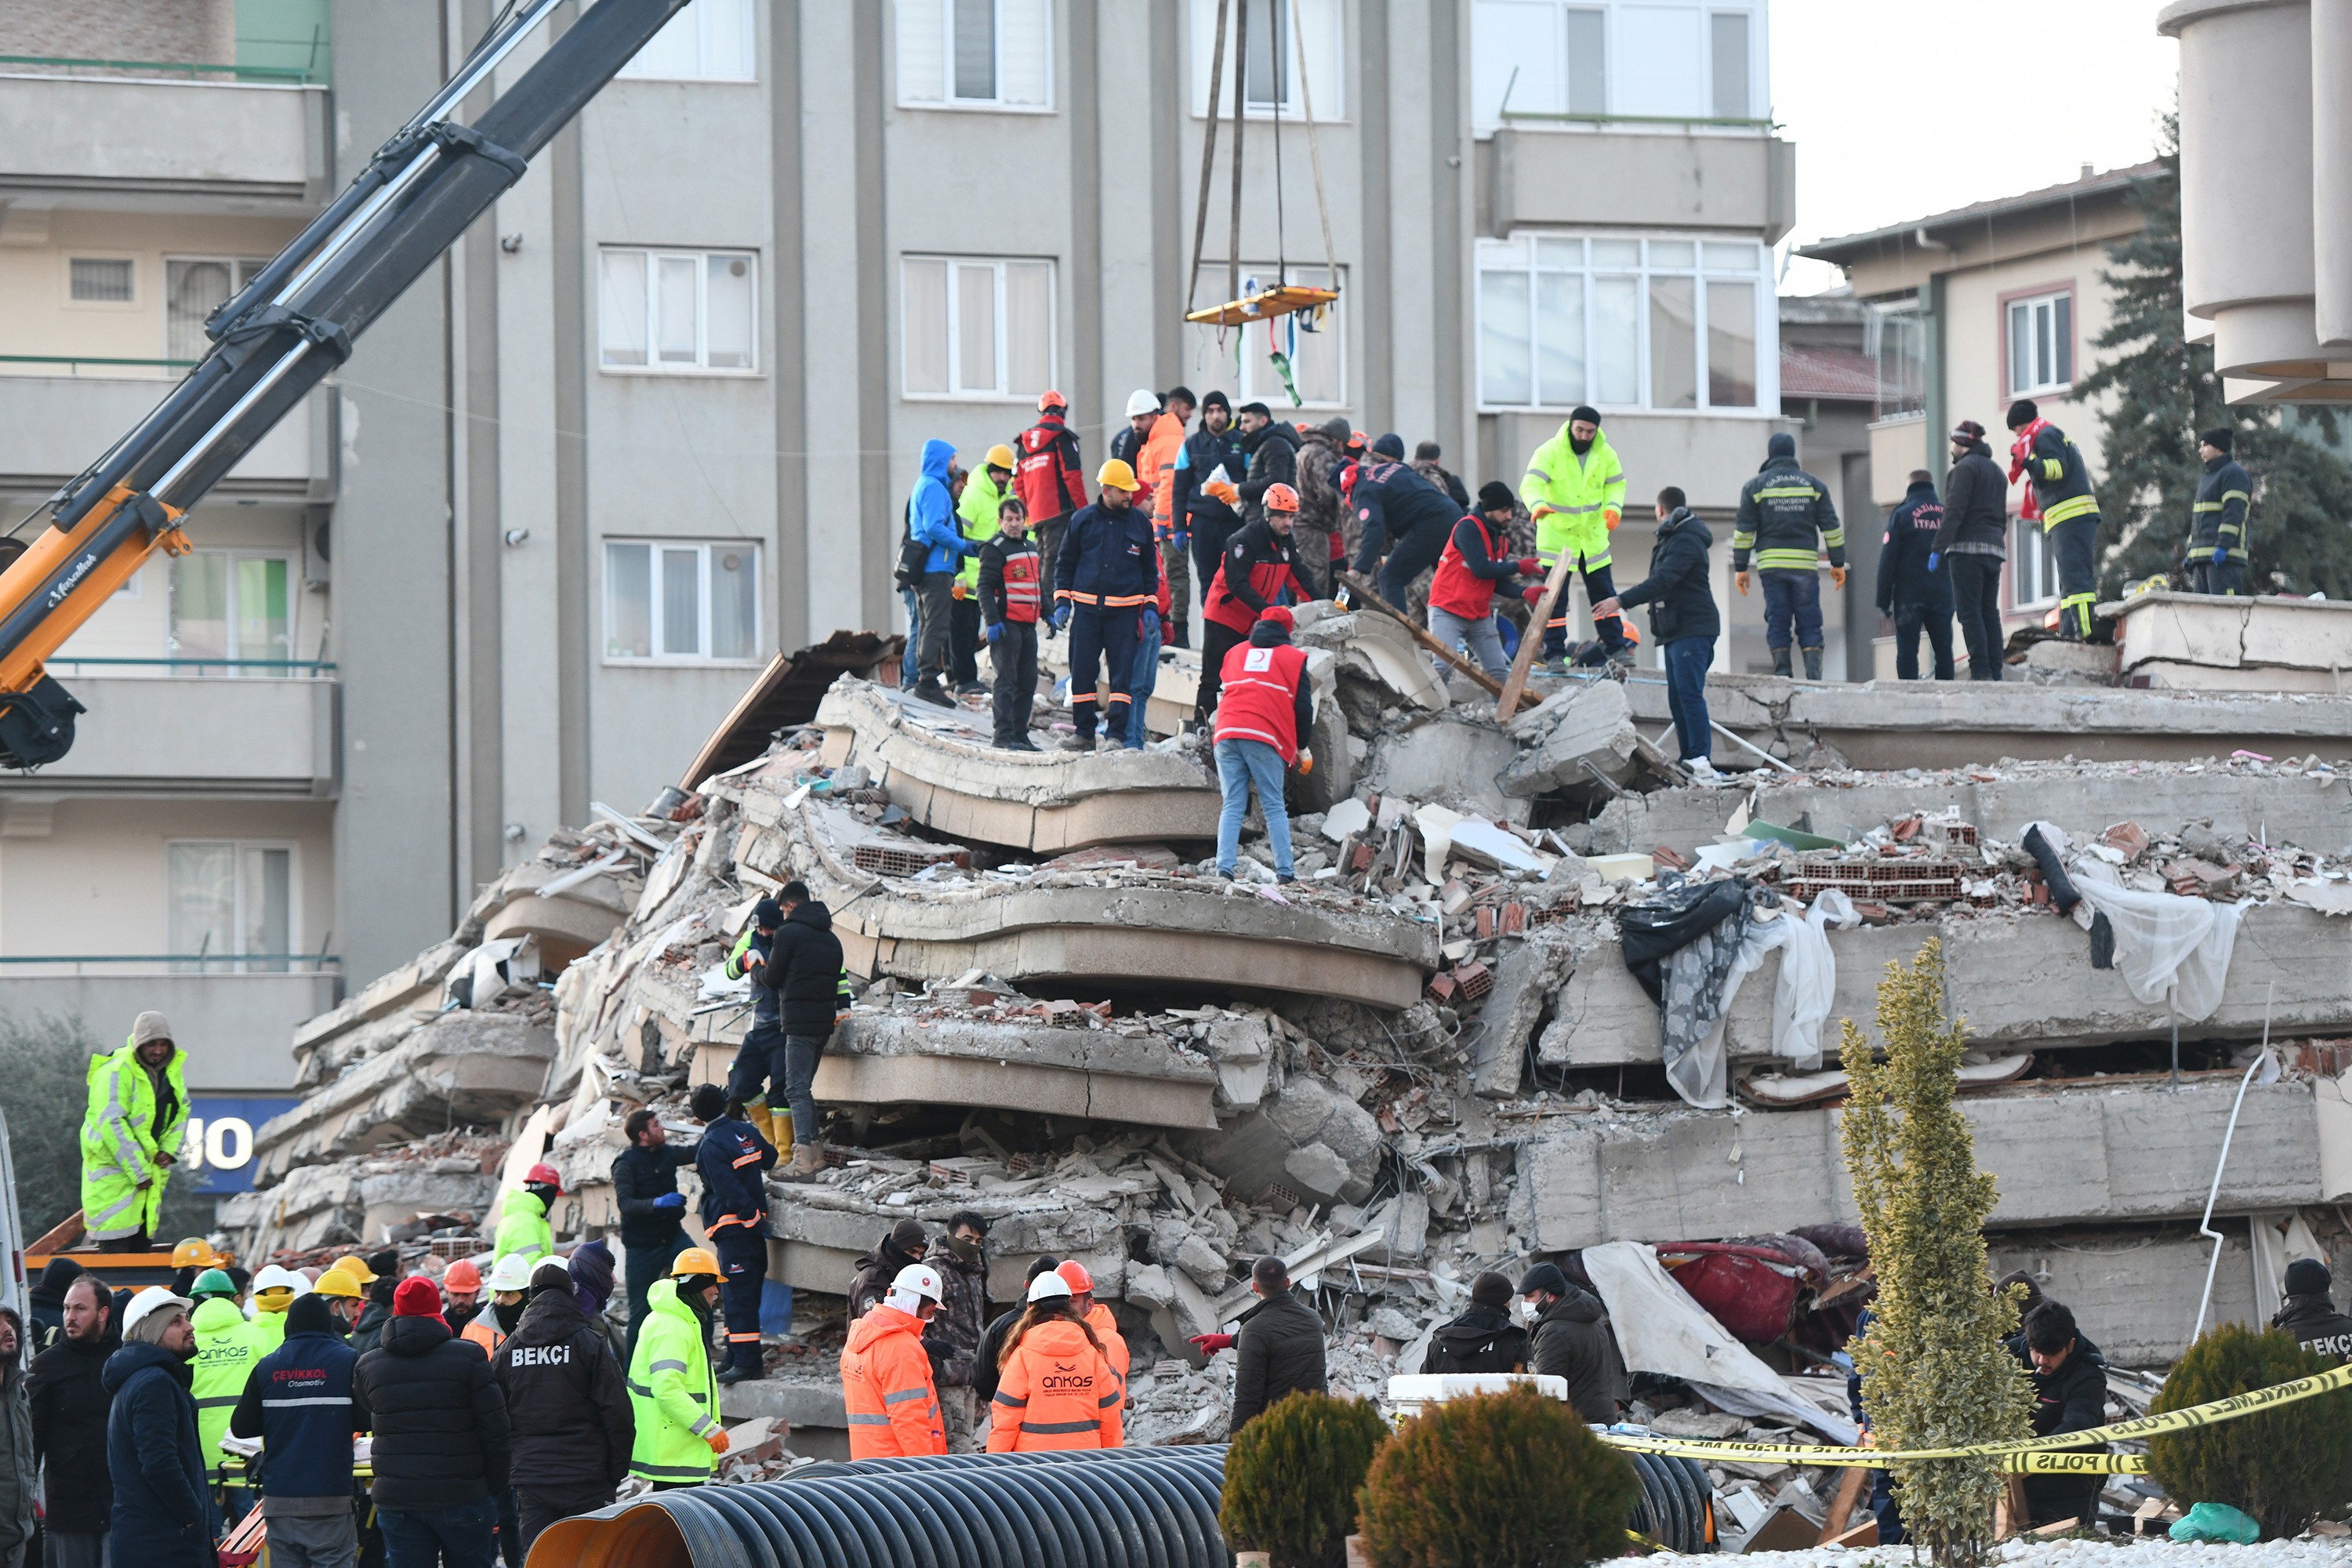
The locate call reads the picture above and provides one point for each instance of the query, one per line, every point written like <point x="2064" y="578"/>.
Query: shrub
<point x="1291" y="1477"/>
<point x="1935" y="1373"/>
<point x="2285" y="1467"/>
<point x="1500" y="1480"/>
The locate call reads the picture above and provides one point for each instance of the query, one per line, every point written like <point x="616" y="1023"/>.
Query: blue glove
<point x="2220" y="556"/>
<point x="1933" y="556"/>
<point x="1151" y="625"/>
<point x="993" y="630"/>
<point x="670" y="1201"/>
<point x="1062" y="616"/>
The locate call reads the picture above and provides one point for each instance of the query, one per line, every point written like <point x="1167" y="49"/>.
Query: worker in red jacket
<point x="1264" y="709"/>
<point x="1047" y="478"/>
<point x="1469" y="569"/>
<point x="1259" y="566"/>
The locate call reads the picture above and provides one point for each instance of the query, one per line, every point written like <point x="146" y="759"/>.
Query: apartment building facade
<point x="656" y="415"/>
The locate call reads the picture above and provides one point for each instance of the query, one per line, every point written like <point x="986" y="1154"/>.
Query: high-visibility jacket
<point x="482" y="1329"/>
<point x="672" y="1393"/>
<point x="1465" y="579"/>
<point x="1786" y="518"/>
<point x="1157" y="469"/>
<point x="227" y="1350"/>
<point x="976" y="519"/>
<point x="1056" y="1391"/>
<point x="523" y="1227"/>
<point x="2060" y="480"/>
<point x="2219" y="517"/>
<point x="1047" y="475"/>
<point x="123" y="1130"/>
<point x="886" y="1384"/>
<point x="1587" y="495"/>
<point x="1012" y="581"/>
<point x="1106" y="1327"/>
<point x="268" y="1328"/>
<point x="1264" y="697"/>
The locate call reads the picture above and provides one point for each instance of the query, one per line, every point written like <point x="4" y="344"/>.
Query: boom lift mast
<point x="291" y="325"/>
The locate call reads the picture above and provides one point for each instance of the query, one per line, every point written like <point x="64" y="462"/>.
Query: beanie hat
<point x="1782" y="445"/>
<point x="1490" y="1289"/>
<point x="1496" y="496"/>
<point x="592" y="1276"/>
<point x="1216" y="400"/>
<point x="1968" y="430"/>
<point x="552" y="1274"/>
<point x="767" y="914"/>
<point x="309" y="1315"/>
<point x="2023" y="413"/>
<point x="2220" y="436"/>
<point x="1544" y="1277"/>
<point x="416" y="1296"/>
<point x="2308" y="1276"/>
<point x="1338" y="429"/>
<point x="1280" y="615"/>
<point x="907" y="1235"/>
<point x="1584" y="413"/>
<point x="1391" y="445"/>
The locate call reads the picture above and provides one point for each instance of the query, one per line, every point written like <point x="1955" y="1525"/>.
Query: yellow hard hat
<point x="336" y="1282"/>
<point x="999" y="455"/>
<point x="352" y="1264"/>
<point x="694" y="1260"/>
<point x="195" y="1251"/>
<point x="1115" y="475"/>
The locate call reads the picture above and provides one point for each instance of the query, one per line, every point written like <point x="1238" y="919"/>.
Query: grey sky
<point x="1903" y="107"/>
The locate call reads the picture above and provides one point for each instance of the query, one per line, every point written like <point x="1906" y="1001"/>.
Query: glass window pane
<point x="1731" y="345"/>
<point x="1616" y="339"/>
<point x="1719" y="253"/>
<point x="726" y="39"/>
<point x="1269" y="51"/>
<point x="262" y="631"/>
<point x="923" y="318"/>
<point x="191" y="291"/>
<point x="1552" y="252"/>
<point x="1672" y="253"/>
<point x="628" y="601"/>
<point x="101" y="280"/>
<point x="199" y="605"/>
<point x="734" y="600"/>
<point x="670" y="52"/>
<point x="200" y="894"/>
<point x="1616" y="252"/>
<point x="975" y="49"/>
<point x="674" y="309"/>
<point x="1588" y="66"/>
<point x="622" y="307"/>
<point x="975" y="329"/>
<point x="1560" y="338"/>
<point x="1503" y="338"/>
<point x="1515" y="60"/>
<point x="729" y="284"/>
<point x="681" y="600"/>
<point x="1730" y="63"/>
<point x="2021" y="348"/>
<point x="2061" y="332"/>
<point x="268" y="896"/>
<point x="1028" y="327"/>
<point x="1023" y="52"/>
<point x="1673" y="344"/>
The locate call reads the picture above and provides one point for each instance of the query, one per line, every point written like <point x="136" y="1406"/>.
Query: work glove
<point x="718" y="1440"/>
<point x="1150" y="625"/>
<point x="670" y="1201"/>
<point x="1934" y="558"/>
<point x="1531" y="593"/>
<point x="956" y="590"/>
<point x="1739" y="580"/>
<point x="1223" y="491"/>
<point x="1837" y="575"/>
<point x="1306" y="762"/>
<point x="1542" y="509"/>
<point x="1209" y="1344"/>
<point x="1062" y="616"/>
<point x="993" y="630"/>
<point x="1528" y="566"/>
<point x="2220" y="556"/>
<point x="1613" y="517"/>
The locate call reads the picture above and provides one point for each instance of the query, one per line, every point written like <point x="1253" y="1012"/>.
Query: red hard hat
<point x="542" y="1175"/>
<point x="1074" y="1274"/>
<point x="462" y="1275"/>
<point x="1051" y="400"/>
<point x="1281" y="498"/>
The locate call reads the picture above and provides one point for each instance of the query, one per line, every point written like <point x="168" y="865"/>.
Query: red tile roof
<point x="1845" y="374"/>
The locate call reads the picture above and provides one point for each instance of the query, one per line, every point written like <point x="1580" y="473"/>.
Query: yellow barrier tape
<point x="2212" y="1412"/>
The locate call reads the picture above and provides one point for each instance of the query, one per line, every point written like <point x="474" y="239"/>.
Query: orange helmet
<point x="1281" y="498"/>
<point x="462" y="1276"/>
<point x="1074" y="1274"/>
<point x="1049" y="401"/>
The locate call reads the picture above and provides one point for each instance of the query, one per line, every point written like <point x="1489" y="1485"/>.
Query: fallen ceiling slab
<point x="785" y="697"/>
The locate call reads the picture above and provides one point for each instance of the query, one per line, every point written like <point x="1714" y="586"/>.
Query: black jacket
<point x="1399" y="511"/>
<point x="876" y="1270"/>
<point x="1677" y="589"/>
<point x="1912" y="529"/>
<point x="441" y="1436"/>
<point x="2219" y="517"/>
<point x="1203" y="452"/>
<point x="367" y="1332"/>
<point x="984" y="1369"/>
<point x="69" y="1405"/>
<point x="804" y="969"/>
<point x="732" y="1159"/>
<point x="163" y="1516"/>
<point x="1483" y="1339"/>
<point x="567" y="1403"/>
<point x="1279" y="1351"/>
<point x="1783" y="511"/>
<point x="1450" y="483"/>
<point x="1273" y="460"/>
<point x="1247" y="548"/>
<point x="1573" y="1340"/>
<point x="639" y="1176"/>
<point x="2314" y="1321"/>
<point x="46" y="1302"/>
<point x="2072" y="1399"/>
<point x="1976" y="507"/>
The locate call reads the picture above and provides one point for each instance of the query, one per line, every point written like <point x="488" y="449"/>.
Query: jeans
<point x="1142" y="679"/>
<point x="914" y="603"/>
<point x="1100" y="640"/>
<point x="640" y="1266"/>
<point x="2075" y="545"/>
<point x="1976" y="594"/>
<point x="939" y="608"/>
<point x="1910" y="620"/>
<point x="742" y="1269"/>
<point x="458" y="1537"/>
<point x="1486" y="645"/>
<point x="963" y="641"/>
<point x="1791" y="595"/>
<point x="799" y="1055"/>
<point x="1243" y="765"/>
<point x="1686" y="664"/>
<point x="2226" y="579"/>
<point x="1217" y="639"/>
<point x="538" y="1510"/>
<point x="1014" y="655"/>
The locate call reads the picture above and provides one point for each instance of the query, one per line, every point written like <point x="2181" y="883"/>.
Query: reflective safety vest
<point x="672" y="1393"/>
<point x="1586" y="494"/>
<point x="227" y="1348"/>
<point x="2060" y="481"/>
<point x="976" y="519"/>
<point x="269" y="1328"/>
<point x="886" y="1385"/>
<point x="1457" y="590"/>
<point x="523" y="1228"/>
<point x="1259" y="701"/>
<point x="1106" y="1327"/>
<point x="1056" y="1391"/>
<point x="482" y="1329"/>
<point x="120" y="1141"/>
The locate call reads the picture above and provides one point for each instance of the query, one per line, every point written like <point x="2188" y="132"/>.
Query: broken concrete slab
<point x="1530" y="974"/>
<point x="353" y="1201"/>
<point x="1373" y="647"/>
<point x="1309" y="1142"/>
<point x="2206" y="643"/>
<point x="1448" y="759"/>
<point x="819" y="1233"/>
<point x="1580" y="738"/>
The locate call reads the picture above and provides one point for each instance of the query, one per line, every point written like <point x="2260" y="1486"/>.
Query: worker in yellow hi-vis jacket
<point x="130" y="1135"/>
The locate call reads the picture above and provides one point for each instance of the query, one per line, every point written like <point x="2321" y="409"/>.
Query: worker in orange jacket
<point x="1097" y="1317"/>
<point x="886" y="1374"/>
<point x="1057" y="1388"/>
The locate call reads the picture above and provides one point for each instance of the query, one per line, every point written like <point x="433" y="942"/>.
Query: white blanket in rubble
<point x="1801" y="996"/>
<point x="2169" y="949"/>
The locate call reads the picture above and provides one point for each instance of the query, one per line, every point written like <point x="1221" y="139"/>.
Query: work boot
<point x="1780" y="662"/>
<point x="744" y="1363"/>
<point x="808" y="1162"/>
<point x="1184" y="635"/>
<point x="780" y="1133"/>
<point x="1812" y="664"/>
<point x="1076" y="743"/>
<point x="1622" y="654"/>
<point x="928" y="689"/>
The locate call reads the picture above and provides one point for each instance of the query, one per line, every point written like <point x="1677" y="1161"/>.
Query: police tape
<point x="2253" y="1403"/>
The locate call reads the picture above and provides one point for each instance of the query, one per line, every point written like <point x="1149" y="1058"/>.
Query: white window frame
<point x="703" y="549"/>
<point x="1491" y="257"/>
<point x="293" y="564"/>
<point x="704" y="23"/>
<point x="655" y="366"/>
<point x="138" y="300"/>
<point x="1002" y="393"/>
<point x="1325" y="25"/>
<point x="239" y="849"/>
<point x="2029" y="550"/>
<point x="241" y="271"/>
<point x="947" y="98"/>
<point x="1212" y="363"/>
<point x="2030" y="304"/>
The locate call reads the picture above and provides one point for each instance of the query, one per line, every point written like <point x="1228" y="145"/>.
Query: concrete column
<point x="840" y="568"/>
<point x="878" y="532"/>
<point x="574" y="630"/>
<point x="2331" y="173"/>
<point x="1449" y="221"/>
<point x="1091" y="415"/>
<point x="788" y="370"/>
<point x="478" y="706"/>
<point x="1375" y="281"/>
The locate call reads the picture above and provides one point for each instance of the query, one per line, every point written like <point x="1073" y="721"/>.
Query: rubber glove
<point x="958" y="591"/>
<point x="1223" y="491"/>
<point x="1739" y="579"/>
<point x="1542" y="509"/>
<point x="2220" y="556"/>
<point x="1837" y="575"/>
<point x="1209" y="1344"/>
<point x="718" y="1439"/>
<point x="1613" y="517"/>
<point x="670" y="1201"/>
<point x="1150" y="625"/>
<point x="993" y="630"/>
<point x="1306" y="763"/>
<point x="1529" y="566"/>
<point x="1062" y="616"/>
<point x="1935" y="557"/>
<point x="1531" y="593"/>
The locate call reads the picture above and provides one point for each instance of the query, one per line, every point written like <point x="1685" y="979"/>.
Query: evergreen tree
<point x="2161" y="391"/>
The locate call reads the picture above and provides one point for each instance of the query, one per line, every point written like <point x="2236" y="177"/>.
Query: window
<point x="228" y="899"/>
<point x="1673" y="60"/>
<point x="975" y="54"/>
<point x="673" y="601"/>
<point x="2041" y="349"/>
<point x="231" y="605"/>
<point x="975" y="327"/>
<point x="1894" y="336"/>
<point x="193" y="287"/>
<point x="710" y="40"/>
<point x="1538" y="59"/>
<point x="2033" y="574"/>
<point x="1622" y="323"/>
<point x="1727" y="67"/>
<point x="1311" y="344"/>
<point x="679" y="312"/>
<point x="1282" y="82"/>
<point x="99" y="280"/>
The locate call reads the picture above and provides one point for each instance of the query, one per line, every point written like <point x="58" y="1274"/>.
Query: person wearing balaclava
<point x="952" y="1336"/>
<point x="1575" y="491"/>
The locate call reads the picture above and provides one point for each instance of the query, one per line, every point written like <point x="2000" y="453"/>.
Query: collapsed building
<point x="1428" y="1056"/>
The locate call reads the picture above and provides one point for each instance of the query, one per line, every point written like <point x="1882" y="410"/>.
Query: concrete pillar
<point x="2331" y="173"/>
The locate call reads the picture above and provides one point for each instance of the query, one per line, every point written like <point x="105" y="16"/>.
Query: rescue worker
<point x="1572" y="1339"/>
<point x="164" y="1514"/>
<point x="1786" y="519"/>
<point x="1272" y="450"/>
<point x="300" y="1400"/>
<point x="1163" y="447"/>
<point x="1429" y="462"/>
<point x="523" y="1228"/>
<point x="275" y="1288"/>
<point x="1680" y="591"/>
<point x="2309" y="1312"/>
<point x="461" y="1295"/>
<point x="931" y="523"/>
<point x="2058" y="493"/>
<point x="806" y="973"/>
<point x="886" y="1374"/>
<point x="1107" y="577"/>
<point x="1469" y="569"/>
<point x="2217" y="528"/>
<point x="1575" y="491"/>
<point x="1265" y="710"/>
<point x="1095" y="1316"/>
<point x="226" y="1351"/>
<point x="1049" y="478"/>
<point x="953" y="1336"/>
<point x="1972" y="545"/>
<point x="672" y="1396"/>
<point x="991" y="1356"/>
<point x="1012" y="601"/>
<point x="567" y="1408"/>
<point x="138" y="1112"/>
<point x="984" y="492"/>
<point x="1321" y="454"/>
<point x="645" y="1187"/>
<point x="1056" y="1388"/>
<point x="376" y="1305"/>
<point x="747" y="1080"/>
<point x="732" y="1160"/>
<point x="1911" y="586"/>
<point x="510" y="1295"/>
<point x="2070" y="1395"/>
<point x="1207" y="521"/>
<point x="1407" y="523"/>
<point x="1144" y="665"/>
<point x="1258" y="571"/>
<point x="1127" y="442"/>
<point x="904" y="1246"/>
<point x="341" y="1293"/>
<point x="1483" y="1339"/>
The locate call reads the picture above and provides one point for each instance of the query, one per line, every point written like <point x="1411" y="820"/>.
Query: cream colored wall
<point x="1896" y="447"/>
<point x="137" y="624"/>
<point x="39" y="316"/>
<point x="1973" y="332"/>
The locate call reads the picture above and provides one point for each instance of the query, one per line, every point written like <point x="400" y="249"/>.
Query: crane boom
<point x="290" y="326"/>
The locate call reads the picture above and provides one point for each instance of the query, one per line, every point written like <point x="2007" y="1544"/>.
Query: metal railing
<point x="297" y="75"/>
<point x="187" y="963"/>
<point x="73" y="364"/>
<point x="1573" y="118"/>
<point x="314" y="668"/>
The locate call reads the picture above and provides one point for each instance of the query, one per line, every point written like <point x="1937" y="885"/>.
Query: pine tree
<point x="1934" y="1373"/>
<point x="2161" y="391"/>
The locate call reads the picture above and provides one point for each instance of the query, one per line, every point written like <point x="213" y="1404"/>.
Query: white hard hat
<point x="917" y="1280"/>
<point x="512" y="1272"/>
<point x="1142" y="400"/>
<point x="1049" y="1286"/>
<point x="154" y="1299"/>
<point x="277" y="1276"/>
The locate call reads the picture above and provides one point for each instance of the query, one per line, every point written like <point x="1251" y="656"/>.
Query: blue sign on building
<point x="216" y="1157"/>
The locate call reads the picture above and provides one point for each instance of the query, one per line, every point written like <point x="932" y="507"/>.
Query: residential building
<point x="1829" y="380"/>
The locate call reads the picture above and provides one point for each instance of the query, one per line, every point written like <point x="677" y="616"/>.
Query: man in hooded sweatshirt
<point x="1573" y="1340"/>
<point x="1264" y="711"/>
<point x="886" y="1374"/>
<point x="523" y="1230"/>
<point x="301" y="1401"/>
<point x="733" y="1160"/>
<point x="932" y="522"/>
<point x="567" y="1408"/>
<point x="2308" y="1312"/>
<point x="906" y="1246"/>
<point x="130" y="1135"/>
<point x="804" y="974"/>
<point x="1786" y="519"/>
<point x="70" y="1401"/>
<point x="164" y="1514"/>
<point x="442" y="1452"/>
<point x="1483" y="1339"/>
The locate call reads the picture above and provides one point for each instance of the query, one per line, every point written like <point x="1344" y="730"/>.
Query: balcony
<point x="1625" y="172"/>
<point x="161" y="135"/>
<point x="237" y="1028"/>
<point x="57" y="414"/>
<point x="233" y="727"/>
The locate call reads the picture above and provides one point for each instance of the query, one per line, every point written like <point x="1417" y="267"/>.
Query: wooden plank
<point x="64" y="1235"/>
<point x="1554" y="586"/>
<point x="1851" y="1482"/>
<point x="1363" y="590"/>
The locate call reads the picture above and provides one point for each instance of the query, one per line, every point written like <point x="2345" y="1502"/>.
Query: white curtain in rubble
<point x="2169" y="949"/>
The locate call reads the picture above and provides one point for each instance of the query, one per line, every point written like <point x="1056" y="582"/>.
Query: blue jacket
<point x="164" y="1515"/>
<point x="930" y="511"/>
<point x="729" y="1159"/>
<point x="1109" y="557"/>
<point x="299" y="1402"/>
<point x="1912" y="529"/>
<point x="1395" y="504"/>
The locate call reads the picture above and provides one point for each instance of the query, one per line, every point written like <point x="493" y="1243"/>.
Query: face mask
<point x="507" y="1316"/>
<point x="965" y="1251"/>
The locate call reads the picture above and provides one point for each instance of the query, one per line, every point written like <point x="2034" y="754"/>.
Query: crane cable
<point x="1208" y="158"/>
